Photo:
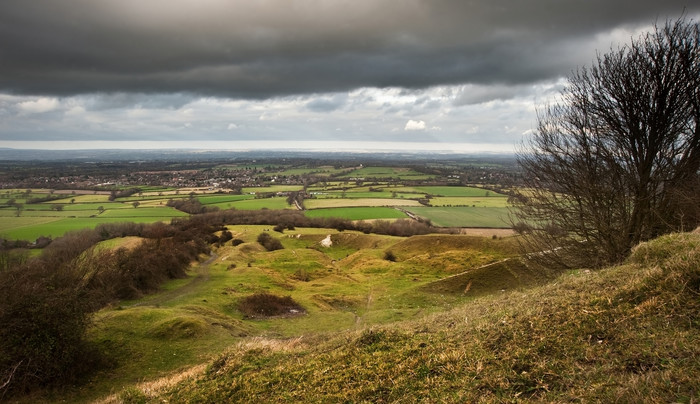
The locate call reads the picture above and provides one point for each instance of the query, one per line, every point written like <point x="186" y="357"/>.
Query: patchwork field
<point x="451" y="206"/>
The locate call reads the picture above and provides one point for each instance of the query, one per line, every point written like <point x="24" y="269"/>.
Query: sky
<point x="333" y="75"/>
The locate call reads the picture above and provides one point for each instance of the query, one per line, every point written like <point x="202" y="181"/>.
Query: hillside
<point x="623" y="334"/>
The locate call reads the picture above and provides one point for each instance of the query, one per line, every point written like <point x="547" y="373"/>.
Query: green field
<point x="78" y="212"/>
<point x="457" y="191"/>
<point x="262" y="203"/>
<point x="347" y="202"/>
<point x="492" y="217"/>
<point x="322" y="171"/>
<point x="141" y="211"/>
<point x="474" y="201"/>
<point x="387" y="172"/>
<point x="352" y="193"/>
<point x="360" y="213"/>
<point x="222" y="199"/>
<point x="29" y="228"/>
<point x="272" y="189"/>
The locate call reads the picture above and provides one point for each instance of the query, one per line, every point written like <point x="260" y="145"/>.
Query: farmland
<point x="358" y="213"/>
<point x="494" y="217"/>
<point x="350" y="191"/>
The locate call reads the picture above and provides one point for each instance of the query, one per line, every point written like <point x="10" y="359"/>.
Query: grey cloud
<point x="477" y="94"/>
<point x="265" y="49"/>
<point x="98" y="102"/>
<point x="327" y="104"/>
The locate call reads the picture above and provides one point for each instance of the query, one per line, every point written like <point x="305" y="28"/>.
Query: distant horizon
<point x="250" y="146"/>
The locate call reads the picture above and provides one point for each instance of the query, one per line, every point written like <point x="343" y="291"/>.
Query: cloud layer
<point x="370" y="68"/>
<point x="279" y="47"/>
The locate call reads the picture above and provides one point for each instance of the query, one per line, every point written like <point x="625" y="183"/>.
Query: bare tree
<point x="616" y="161"/>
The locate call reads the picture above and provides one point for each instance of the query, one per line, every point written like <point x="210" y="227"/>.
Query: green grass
<point x="10" y="225"/>
<point x="495" y="217"/>
<point x="85" y="199"/>
<point x="56" y="227"/>
<point x="144" y="212"/>
<point x="272" y="189"/>
<point x="263" y="203"/>
<point x="220" y="199"/>
<point x="361" y="213"/>
<point x="322" y="171"/>
<point x="352" y="193"/>
<point x="357" y="202"/>
<point x="387" y="172"/>
<point x="89" y="206"/>
<point x="474" y="201"/>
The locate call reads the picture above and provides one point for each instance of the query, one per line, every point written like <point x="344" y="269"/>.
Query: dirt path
<point x="202" y="275"/>
<point x="358" y="319"/>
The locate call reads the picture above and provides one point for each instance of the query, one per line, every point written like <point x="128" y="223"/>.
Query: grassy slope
<point x="623" y="334"/>
<point x="347" y="286"/>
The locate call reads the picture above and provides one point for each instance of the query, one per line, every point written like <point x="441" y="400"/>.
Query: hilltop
<point x="628" y="333"/>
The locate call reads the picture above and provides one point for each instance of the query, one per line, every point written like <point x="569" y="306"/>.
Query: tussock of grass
<point x="624" y="334"/>
<point x="179" y="327"/>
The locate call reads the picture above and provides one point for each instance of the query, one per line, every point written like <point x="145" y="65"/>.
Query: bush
<point x="389" y="256"/>
<point x="264" y="305"/>
<point x="270" y="243"/>
<point x="44" y="317"/>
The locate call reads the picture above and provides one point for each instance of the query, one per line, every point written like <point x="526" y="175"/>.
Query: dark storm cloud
<point x="266" y="48"/>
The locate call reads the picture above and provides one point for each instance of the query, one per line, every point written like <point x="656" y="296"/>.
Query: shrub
<point x="270" y="243"/>
<point x="389" y="256"/>
<point x="225" y="236"/>
<point x="264" y="305"/>
<point x="44" y="317"/>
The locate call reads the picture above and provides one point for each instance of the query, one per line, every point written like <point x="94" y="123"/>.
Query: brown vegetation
<point x="265" y="305"/>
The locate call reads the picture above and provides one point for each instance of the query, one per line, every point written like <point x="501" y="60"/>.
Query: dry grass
<point x="149" y="390"/>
